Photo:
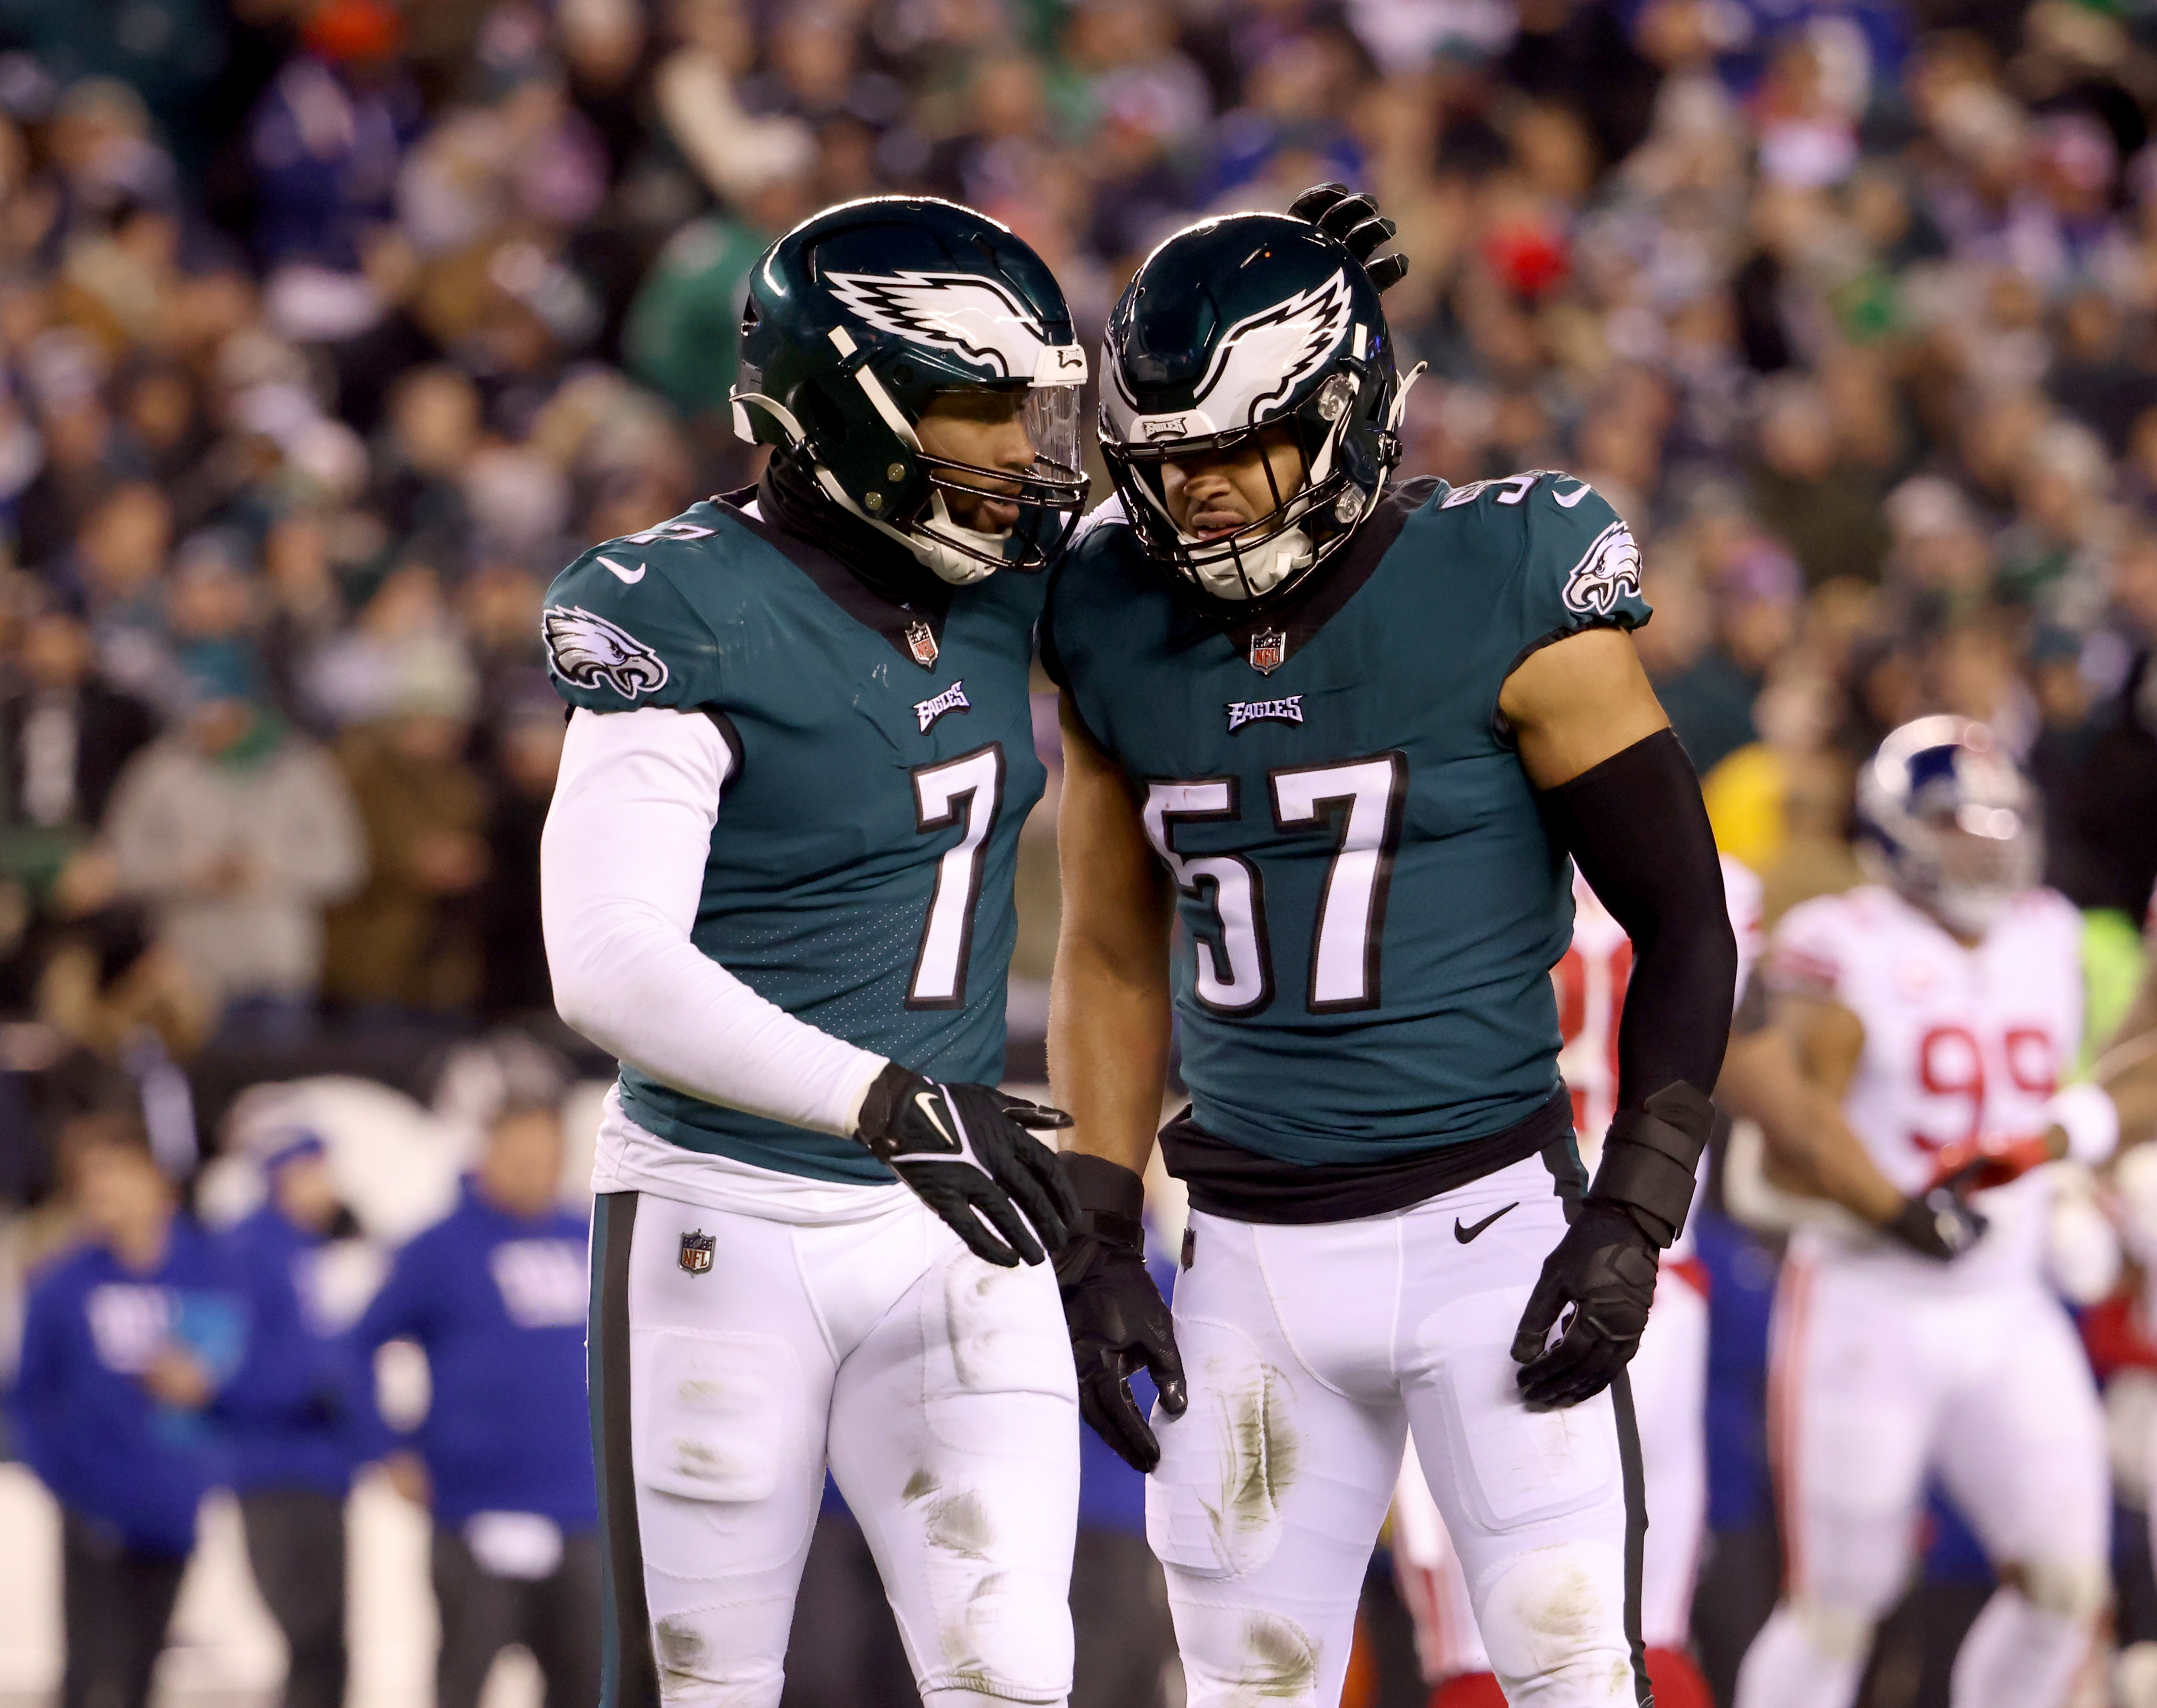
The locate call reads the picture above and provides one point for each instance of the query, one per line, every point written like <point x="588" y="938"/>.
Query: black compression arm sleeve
<point x="1637" y="827"/>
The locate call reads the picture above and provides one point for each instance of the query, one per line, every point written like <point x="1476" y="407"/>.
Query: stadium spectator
<point x="126" y="1344"/>
<point x="65" y="737"/>
<point x="494" y="1295"/>
<point x="407" y="943"/>
<point x="235" y="833"/>
<point x="298" y="1435"/>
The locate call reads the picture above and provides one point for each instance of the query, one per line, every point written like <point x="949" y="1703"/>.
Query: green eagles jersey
<point x="860" y="867"/>
<point x="1371" y="907"/>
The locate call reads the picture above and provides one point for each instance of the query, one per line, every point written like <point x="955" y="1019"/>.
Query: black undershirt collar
<point x="874" y="581"/>
<point x="1300" y="618"/>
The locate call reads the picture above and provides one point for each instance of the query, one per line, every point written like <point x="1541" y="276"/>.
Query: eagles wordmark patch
<point x="1250" y="711"/>
<point x="1608" y="571"/>
<point x="952" y="699"/>
<point x="585" y="651"/>
<point x="696" y="1251"/>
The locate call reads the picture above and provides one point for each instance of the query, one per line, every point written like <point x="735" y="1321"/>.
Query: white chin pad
<point x="1262" y="568"/>
<point x="944" y="559"/>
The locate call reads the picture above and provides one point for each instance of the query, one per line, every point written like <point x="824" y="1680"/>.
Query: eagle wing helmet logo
<point x="1266" y="356"/>
<point x="971" y="316"/>
<point x="1608" y="571"/>
<point x="586" y="650"/>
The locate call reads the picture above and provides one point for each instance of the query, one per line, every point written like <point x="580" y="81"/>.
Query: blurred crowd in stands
<point x="330" y="329"/>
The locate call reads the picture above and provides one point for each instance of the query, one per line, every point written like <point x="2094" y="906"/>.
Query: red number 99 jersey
<point x="1959" y="1041"/>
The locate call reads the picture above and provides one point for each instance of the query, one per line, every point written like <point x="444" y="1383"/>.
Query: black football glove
<point x="1604" y="1270"/>
<point x="1939" y="1225"/>
<point x="1354" y="219"/>
<point x="970" y="1154"/>
<point x="1119" y="1322"/>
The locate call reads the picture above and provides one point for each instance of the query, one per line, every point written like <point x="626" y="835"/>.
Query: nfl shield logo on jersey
<point x="921" y="642"/>
<point x="1268" y="649"/>
<point x="696" y="1251"/>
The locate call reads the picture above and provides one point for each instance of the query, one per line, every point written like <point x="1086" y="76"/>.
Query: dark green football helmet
<point x="859" y="318"/>
<point x="1236" y="327"/>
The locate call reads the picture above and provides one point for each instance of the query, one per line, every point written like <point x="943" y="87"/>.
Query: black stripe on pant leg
<point x="1636" y="1528"/>
<point x="628" y="1677"/>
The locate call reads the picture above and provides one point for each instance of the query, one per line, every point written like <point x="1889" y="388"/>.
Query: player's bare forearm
<point x="1108" y="1006"/>
<point x="1578" y="702"/>
<point x="1791" y="1078"/>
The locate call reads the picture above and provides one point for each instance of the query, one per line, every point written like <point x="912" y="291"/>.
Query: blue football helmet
<point x="1952" y="820"/>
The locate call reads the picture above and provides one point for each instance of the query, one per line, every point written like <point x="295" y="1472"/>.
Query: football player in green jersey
<point x="1350" y="732"/>
<point x="777" y="884"/>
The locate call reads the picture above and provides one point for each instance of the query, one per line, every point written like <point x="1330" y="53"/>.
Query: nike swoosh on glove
<point x="1937" y="1224"/>
<point x="1339" y="212"/>
<point x="1119" y="1323"/>
<point x="970" y="1154"/>
<point x="1604" y="1269"/>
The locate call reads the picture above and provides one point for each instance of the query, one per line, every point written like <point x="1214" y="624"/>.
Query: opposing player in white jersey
<point x="1937" y="1011"/>
<point x="1669" y="1373"/>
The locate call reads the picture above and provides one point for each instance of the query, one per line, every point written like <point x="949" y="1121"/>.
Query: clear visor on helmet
<point x="1001" y="515"/>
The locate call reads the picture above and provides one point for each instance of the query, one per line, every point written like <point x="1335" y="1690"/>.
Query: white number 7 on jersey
<point x="972" y="784"/>
<point x="1344" y="943"/>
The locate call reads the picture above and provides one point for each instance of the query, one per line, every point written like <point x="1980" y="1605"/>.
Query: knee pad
<point x="2073" y="1589"/>
<point x="1557" y="1614"/>
<point x="701" y="1664"/>
<point x="1839" y="1632"/>
<point x="1002" y="1633"/>
<point x="1235" y="1655"/>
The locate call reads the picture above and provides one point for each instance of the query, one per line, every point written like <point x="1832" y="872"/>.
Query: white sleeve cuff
<point x="2089" y="1117"/>
<point x="621" y="875"/>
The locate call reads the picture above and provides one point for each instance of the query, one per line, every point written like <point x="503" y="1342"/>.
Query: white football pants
<point x="940" y="1388"/>
<point x="1669" y="1380"/>
<point x="1873" y="1384"/>
<point x="1312" y="1353"/>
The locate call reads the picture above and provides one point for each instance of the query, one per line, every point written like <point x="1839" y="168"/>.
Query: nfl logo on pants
<point x="696" y="1251"/>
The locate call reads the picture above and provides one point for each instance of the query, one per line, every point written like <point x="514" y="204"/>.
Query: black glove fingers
<point x="1035" y="1197"/>
<point x="1346" y="214"/>
<point x="1315" y="200"/>
<point x="1545" y="1306"/>
<point x="1035" y="1118"/>
<point x="1164" y="1363"/>
<point x="985" y="1199"/>
<point x="1109" y="1411"/>
<point x="1369" y="236"/>
<point x="1039" y="1162"/>
<point x="1386" y="272"/>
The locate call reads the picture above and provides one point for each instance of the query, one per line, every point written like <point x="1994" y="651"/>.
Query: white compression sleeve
<point x="621" y="869"/>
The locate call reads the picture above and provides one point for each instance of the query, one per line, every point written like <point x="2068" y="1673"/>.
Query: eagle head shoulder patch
<point x="586" y="651"/>
<point x="1608" y="571"/>
<point x="696" y="1251"/>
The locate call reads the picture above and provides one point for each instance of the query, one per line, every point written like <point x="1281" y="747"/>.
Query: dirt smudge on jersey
<point x="956" y="1524"/>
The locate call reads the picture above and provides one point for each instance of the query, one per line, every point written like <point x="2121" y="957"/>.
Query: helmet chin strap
<point x="939" y="557"/>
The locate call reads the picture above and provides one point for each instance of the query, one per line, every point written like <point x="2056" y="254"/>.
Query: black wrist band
<point x="1111" y="1197"/>
<point x="881" y="1101"/>
<point x="1650" y="1157"/>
